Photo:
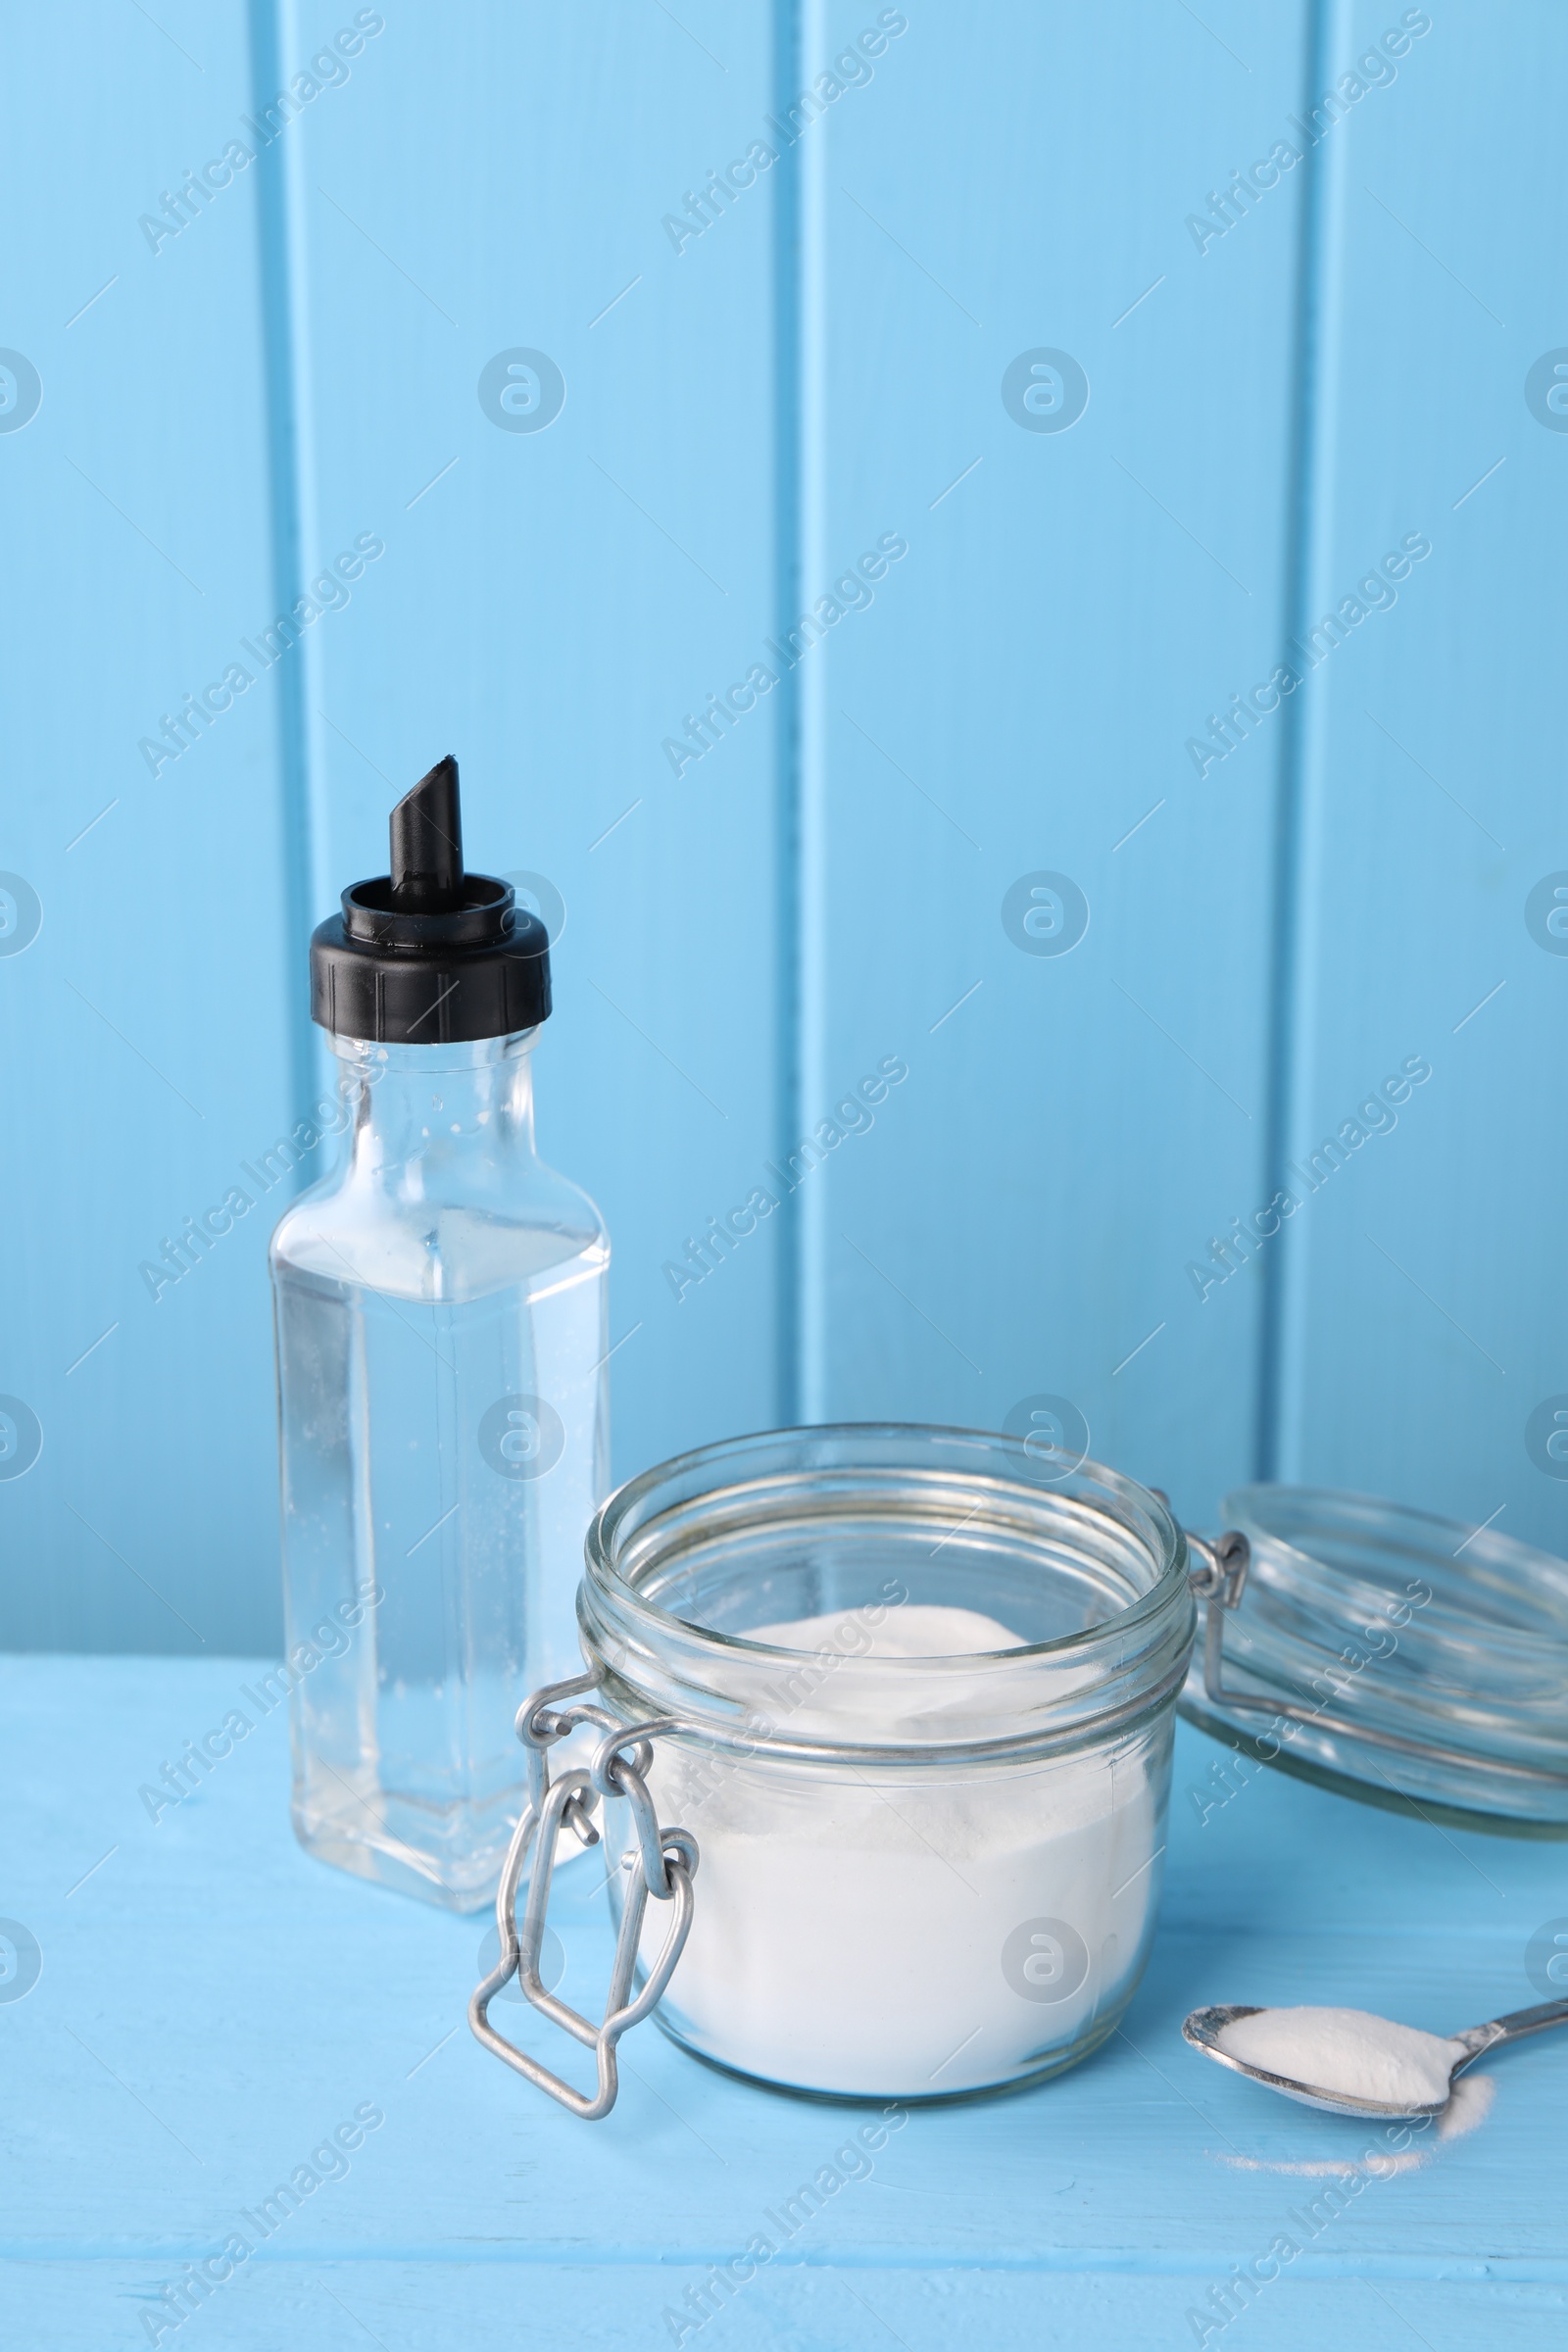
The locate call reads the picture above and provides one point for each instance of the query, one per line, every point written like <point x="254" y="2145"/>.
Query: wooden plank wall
<point x="983" y="381"/>
<point x="1425" y="1301"/>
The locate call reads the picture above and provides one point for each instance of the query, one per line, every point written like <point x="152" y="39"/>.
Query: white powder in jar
<point x="914" y="1629"/>
<point x="910" y="1930"/>
<point x="1347" y="2052"/>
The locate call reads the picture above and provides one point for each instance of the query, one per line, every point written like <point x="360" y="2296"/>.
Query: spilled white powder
<point x="1469" y="2104"/>
<point x="916" y="1929"/>
<point x="1347" y="2052"/>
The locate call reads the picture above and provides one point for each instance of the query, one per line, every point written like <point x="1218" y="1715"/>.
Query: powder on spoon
<point x="1347" y="2053"/>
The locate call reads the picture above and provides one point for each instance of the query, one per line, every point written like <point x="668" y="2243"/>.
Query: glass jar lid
<point x="1407" y="1658"/>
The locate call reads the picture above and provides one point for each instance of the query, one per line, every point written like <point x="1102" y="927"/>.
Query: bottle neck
<point x="421" y="1112"/>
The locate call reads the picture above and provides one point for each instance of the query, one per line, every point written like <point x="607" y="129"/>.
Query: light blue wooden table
<point x="213" y="2006"/>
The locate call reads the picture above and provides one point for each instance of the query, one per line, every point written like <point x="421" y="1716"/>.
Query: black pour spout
<point x="429" y="955"/>
<point x="426" y="829"/>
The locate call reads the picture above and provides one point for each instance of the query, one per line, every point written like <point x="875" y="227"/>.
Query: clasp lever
<point x="662" y="1865"/>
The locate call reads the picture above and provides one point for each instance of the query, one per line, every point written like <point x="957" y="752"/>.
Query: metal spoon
<point x="1204" y="2027"/>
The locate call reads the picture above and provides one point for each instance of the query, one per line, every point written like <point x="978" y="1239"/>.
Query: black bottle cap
<point x="429" y="955"/>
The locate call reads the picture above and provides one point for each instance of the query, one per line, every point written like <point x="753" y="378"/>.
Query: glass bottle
<point x="440" y="1304"/>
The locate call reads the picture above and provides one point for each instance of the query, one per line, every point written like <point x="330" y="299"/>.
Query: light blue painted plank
<point x="212" y="2004"/>
<point x="1074" y="1128"/>
<point x="430" y="2306"/>
<point x="1425" y="1298"/>
<point x="553" y="602"/>
<point x="149" y="1046"/>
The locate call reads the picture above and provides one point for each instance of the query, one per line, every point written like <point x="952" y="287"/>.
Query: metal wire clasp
<point x="662" y="1865"/>
<point x="1219" y="1584"/>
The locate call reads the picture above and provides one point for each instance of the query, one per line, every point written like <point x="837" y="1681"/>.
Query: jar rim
<point x="1039" y="1690"/>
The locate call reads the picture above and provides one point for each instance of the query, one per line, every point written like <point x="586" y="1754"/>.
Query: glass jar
<point x="925" y="1875"/>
